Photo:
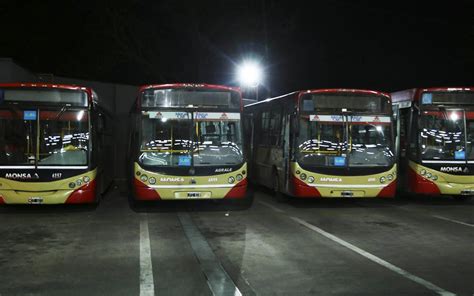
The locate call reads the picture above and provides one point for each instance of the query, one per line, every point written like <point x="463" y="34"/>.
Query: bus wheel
<point x="279" y="196"/>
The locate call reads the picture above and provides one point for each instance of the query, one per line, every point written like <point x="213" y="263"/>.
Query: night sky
<point x="309" y="44"/>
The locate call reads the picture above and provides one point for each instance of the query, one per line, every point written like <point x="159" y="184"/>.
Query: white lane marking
<point x="367" y="255"/>
<point x="375" y="259"/>
<point x="434" y="216"/>
<point x="454" y="221"/>
<point x="218" y="280"/>
<point x="271" y="207"/>
<point x="147" y="285"/>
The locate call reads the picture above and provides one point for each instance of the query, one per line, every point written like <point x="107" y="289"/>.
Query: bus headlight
<point x="423" y="172"/>
<point x="303" y="176"/>
<point x="297" y="172"/>
<point x="434" y="178"/>
<point x="152" y="181"/>
<point x="243" y="172"/>
<point x="428" y="175"/>
<point x="239" y="177"/>
<point x="311" y="179"/>
<point x="79" y="182"/>
<point x="86" y="179"/>
<point x="144" y="178"/>
<point x="231" y="180"/>
<point x="72" y="185"/>
<point x="390" y="177"/>
<point x="138" y="173"/>
<point x="382" y="179"/>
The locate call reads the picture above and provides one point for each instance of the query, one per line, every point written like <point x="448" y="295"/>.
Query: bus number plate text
<point x="194" y="194"/>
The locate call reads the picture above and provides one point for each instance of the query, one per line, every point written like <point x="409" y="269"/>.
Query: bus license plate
<point x="35" y="200"/>
<point x="194" y="194"/>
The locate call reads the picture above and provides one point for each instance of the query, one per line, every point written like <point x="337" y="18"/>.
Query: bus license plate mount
<point x="194" y="194"/>
<point x="35" y="200"/>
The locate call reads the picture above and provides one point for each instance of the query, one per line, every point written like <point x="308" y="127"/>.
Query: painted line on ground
<point x="147" y="284"/>
<point x="271" y="207"/>
<point x="366" y="254"/>
<point x="218" y="279"/>
<point x="453" y="221"/>
<point x="426" y="213"/>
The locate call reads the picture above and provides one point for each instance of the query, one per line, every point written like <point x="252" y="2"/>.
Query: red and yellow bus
<point x="187" y="143"/>
<point x="435" y="135"/>
<point x="51" y="144"/>
<point x="323" y="143"/>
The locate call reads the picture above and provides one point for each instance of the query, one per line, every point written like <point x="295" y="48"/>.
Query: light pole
<point x="250" y="75"/>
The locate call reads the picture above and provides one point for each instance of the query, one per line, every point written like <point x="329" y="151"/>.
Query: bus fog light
<point x="382" y="179"/>
<point x="231" y="180"/>
<point x="72" y="185"/>
<point x="423" y="172"/>
<point x="86" y="179"/>
<point x="434" y="178"/>
<point x="429" y="175"/>
<point x="311" y="179"/>
<point x="144" y="178"/>
<point x="79" y="182"/>
<point x="239" y="177"/>
<point x="152" y="180"/>
<point x="390" y="177"/>
<point x="303" y="176"/>
<point x="297" y="172"/>
<point x="243" y="172"/>
<point x="138" y="173"/>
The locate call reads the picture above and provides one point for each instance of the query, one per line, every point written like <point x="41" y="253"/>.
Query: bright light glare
<point x="80" y="115"/>
<point x="454" y="116"/>
<point x="249" y="74"/>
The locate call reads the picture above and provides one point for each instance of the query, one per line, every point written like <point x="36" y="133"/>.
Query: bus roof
<point x="45" y="85"/>
<point x="189" y="85"/>
<point x="346" y="90"/>
<point x="39" y="85"/>
<point x="413" y="94"/>
<point x="324" y="90"/>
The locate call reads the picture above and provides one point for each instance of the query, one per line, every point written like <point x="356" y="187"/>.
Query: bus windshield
<point x="17" y="138"/>
<point x="218" y="139"/>
<point x="63" y="137"/>
<point x="444" y="135"/>
<point x="341" y="141"/>
<point x="190" y="138"/>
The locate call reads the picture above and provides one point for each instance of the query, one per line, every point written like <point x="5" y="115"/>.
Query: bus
<point x="435" y="133"/>
<point x="187" y="143"/>
<point x="323" y="143"/>
<point x="52" y="144"/>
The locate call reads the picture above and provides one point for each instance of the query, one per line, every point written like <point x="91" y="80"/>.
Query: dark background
<point x="377" y="45"/>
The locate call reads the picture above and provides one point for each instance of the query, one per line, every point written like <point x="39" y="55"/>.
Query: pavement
<point x="404" y="246"/>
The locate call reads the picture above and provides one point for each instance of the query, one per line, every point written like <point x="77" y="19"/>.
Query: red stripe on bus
<point x="301" y="189"/>
<point x="420" y="185"/>
<point x="143" y="192"/>
<point x="85" y="194"/>
<point x="239" y="190"/>
<point x="389" y="190"/>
